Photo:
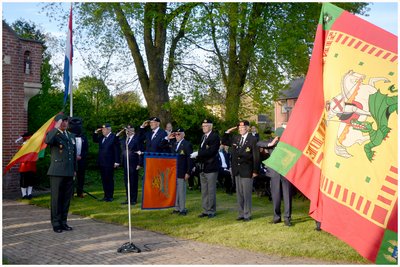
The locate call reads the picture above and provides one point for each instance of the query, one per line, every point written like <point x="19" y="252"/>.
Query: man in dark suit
<point x="175" y="142"/>
<point x="108" y="158"/>
<point x="224" y="173"/>
<point x="82" y="148"/>
<point x="245" y="166"/>
<point x="130" y="144"/>
<point x="253" y="133"/>
<point x="279" y="183"/>
<point x="62" y="170"/>
<point x="154" y="136"/>
<point x="207" y="157"/>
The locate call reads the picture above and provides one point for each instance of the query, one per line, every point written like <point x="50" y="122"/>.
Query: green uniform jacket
<point x="63" y="153"/>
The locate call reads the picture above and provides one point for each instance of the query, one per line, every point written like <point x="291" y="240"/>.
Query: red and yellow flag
<point x="340" y="145"/>
<point x="159" y="181"/>
<point x="34" y="147"/>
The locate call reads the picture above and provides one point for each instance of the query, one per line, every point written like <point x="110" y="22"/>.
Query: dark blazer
<point x="257" y="135"/>
<point x="109" y="152"/>
<point x="227" y="159"/>
<point x="246" y="160"/>
<point x="264" y="144"/>
<point x="63" y="153"/>
<point x="185" y="163"/>
<point x="84" y="150"/>
<point x="133" y="146"/>
<point x="208" y="153"/>
<point x="151" y="145"/>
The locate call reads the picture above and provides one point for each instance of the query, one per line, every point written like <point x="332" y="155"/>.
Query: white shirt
<point x="221" y="154"/>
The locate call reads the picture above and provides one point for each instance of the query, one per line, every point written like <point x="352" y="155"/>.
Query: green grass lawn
<point x="300" y="240"/>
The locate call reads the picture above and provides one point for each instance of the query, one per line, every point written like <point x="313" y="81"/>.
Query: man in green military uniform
<point x="63" y="168"/>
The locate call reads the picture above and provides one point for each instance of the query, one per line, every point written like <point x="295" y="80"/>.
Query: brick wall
<point x="14" y="115"/>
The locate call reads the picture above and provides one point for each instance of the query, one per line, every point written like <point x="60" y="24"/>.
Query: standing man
<point x="168" y="128"/>
<point x="245" y="166"/>
<point x="278" y="183"/>
<point x="253" y="133"/>
<point x="176" y="143"/>
<point x="62" y="171"/>
<point x="82" y="148"/>
<point x="208" y="168"/>
<point x="130" y="144"/>
<point x="224" y="172"/>
<point x="154" y="136"/>
<point x="108" y="158"/>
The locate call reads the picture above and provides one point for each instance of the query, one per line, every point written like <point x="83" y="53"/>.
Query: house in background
<point x="284" y="106"/>
<point x="20" y="82"/>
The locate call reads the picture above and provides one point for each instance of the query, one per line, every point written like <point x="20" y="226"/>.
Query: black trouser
<point x="80" y="177"/>
<point x="133" y="182"/>
<point x="191" y="178"/>
<point x="107" y="178"/>
<point x="226" y="176"/>
<point x="61" y="191"/>
<point x="279" y="182"/>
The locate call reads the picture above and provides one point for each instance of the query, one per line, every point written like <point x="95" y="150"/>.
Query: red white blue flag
<point x="68" y="61"/>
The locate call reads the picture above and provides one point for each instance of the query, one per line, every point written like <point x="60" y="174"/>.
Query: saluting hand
<point x="231" y="129"/>
<point x="145" y="123"/>
<point x="274" y="141"/>
<point x="120" y="132"/>
<point x="98" y="130"/>
<point x="58" y="124"/>
<point x="171" y="136"/>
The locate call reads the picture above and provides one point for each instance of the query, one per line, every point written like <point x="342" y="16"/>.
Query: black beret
<point x="131" y="126"/>
<point x="106" y="125"/>
<point x="179" y="130"/>
<point x="155" y="119"/>
<point x="26" y="135"/>
<point x="206" y="121"/>
<point x="61" y="116"/>
<point x="244" y="123"/>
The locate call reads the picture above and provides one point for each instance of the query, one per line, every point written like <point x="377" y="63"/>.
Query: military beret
<point x="26" y="135"/>
<point x="106" y="125"/>
<point x="179" y="130"/>
<point x="206" y="121"/>
<point x="61" y="116"/>
<point x="244" y="123"/>
<point x="155" y="119"/>
<point x="279" y="131"/>
<point x="130" y="126"/>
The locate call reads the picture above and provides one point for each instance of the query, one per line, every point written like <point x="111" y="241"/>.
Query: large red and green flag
<point x="34" y="147"/>
<point x="159" y="180"/>
<point x="340" y="145"/>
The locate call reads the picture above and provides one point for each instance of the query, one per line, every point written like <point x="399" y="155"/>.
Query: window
<point x="283" y="106"/>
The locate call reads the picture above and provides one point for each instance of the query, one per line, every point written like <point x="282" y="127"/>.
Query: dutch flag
<point x="68" y="61"/>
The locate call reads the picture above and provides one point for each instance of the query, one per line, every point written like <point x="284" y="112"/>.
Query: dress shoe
<point x="25" y="197"/>
<point x="81" y="196"/>
<point x="190" y="189"/>
<point x="287" y="223"/>
<point x="275" y="221"/>
<point x="240" y="219"/>
<point x="30" y="196"/>
<point x="317" y="229"/>
<point x="66" y="227"/>
<point x="203" y="215"/>
<point x="57" y="229"/>
<point x="73" y="197"/>
<point x="182" y="213"/>
<point x="103" y="199"/>
<point x="247" y="219"/>
<point x="125" y="203"/>
<point x="133" y="203"/>
<point x="211" y="216"/>
<point x="229" y="193"/>
<point x="109" y="200"/>
<point x="174" y="212"/>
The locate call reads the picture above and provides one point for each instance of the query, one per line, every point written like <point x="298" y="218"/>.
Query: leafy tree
<point x="259" y="47"/>
<point x="151" y="29"/>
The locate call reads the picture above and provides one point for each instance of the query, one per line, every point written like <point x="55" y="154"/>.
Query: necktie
<point x="241" y="141"/>
<point x="152" y="136"/>
<point x="65" y="134"/>
<point x="104" y="139"/>
<point x="204" y="139"/>
<point x="129" y="140"/>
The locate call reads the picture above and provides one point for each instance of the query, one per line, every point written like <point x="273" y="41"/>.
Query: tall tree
<point x="151" y="33"/>
<point x="259" y="47"/>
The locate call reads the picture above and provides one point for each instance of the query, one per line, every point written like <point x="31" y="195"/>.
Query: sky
<point x="382" y="14"/>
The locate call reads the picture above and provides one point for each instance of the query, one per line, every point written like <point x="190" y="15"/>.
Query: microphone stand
<point x="128" y="247"/>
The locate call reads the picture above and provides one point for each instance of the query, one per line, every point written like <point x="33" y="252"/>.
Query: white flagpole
<point x="72" y="62"/>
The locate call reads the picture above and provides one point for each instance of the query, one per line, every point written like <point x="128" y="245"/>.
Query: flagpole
<point x="72" y="69"/>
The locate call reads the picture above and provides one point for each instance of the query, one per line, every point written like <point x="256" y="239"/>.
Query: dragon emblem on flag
<point x="355" y="103"/>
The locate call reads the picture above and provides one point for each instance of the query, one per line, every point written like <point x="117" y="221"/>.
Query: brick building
<point x="20" y="81"/>
<point x="284" y="107"/>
